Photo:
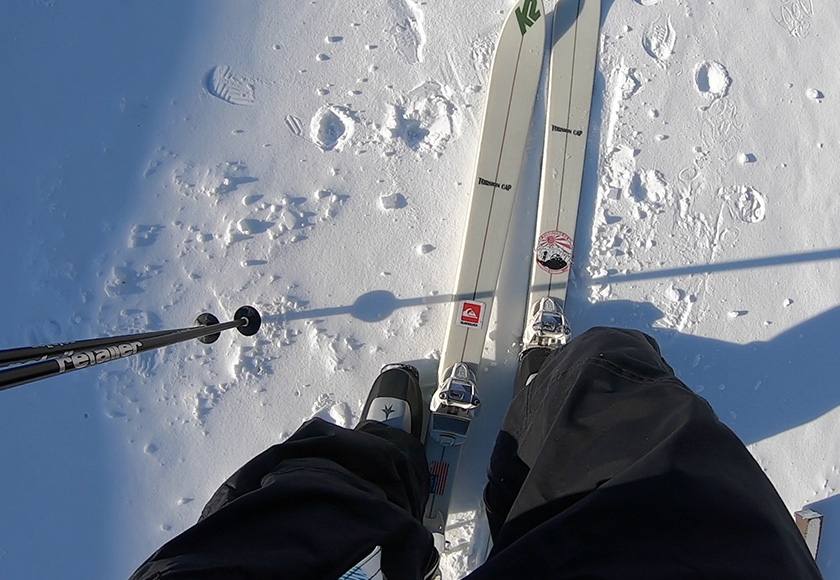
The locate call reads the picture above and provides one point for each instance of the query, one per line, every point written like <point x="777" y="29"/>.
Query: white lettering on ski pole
<point x="87" y="358"/>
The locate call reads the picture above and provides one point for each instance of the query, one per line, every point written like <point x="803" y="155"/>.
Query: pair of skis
<point x="512" y="91"/>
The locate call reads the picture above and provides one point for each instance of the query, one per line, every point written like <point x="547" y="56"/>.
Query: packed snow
<point x="314" y="159"/>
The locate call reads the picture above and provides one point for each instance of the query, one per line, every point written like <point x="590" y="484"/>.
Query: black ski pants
<point x="606" y="467"/>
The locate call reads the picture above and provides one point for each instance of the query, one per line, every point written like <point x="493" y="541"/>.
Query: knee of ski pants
<point x="631" y="351"/>
<point x="389" y="458"/>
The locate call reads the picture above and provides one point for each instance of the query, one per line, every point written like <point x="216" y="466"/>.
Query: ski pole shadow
<point x="373" y="306"/>
<point x="379" y="305"/>
<point x="562" y="11"/>
<point x="758" y="389"/>
<point x="563" y="25"/>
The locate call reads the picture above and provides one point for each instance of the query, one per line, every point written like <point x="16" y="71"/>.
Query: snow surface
<point x="313" y="159"/>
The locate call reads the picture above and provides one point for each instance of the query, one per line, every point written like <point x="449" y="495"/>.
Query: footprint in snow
<point x="659" y="40"/>
<point x="408" y="34"/>
<point x="423" y="120"/>
<point x="143" y="235"/>
<point x="392" y="201"/>
<point x="712" y="79"/>
<point x="222" y="84"/>
<point x="332" y="411"/>
<point x="332" y="127"/>
<point x="745" y="203"/>
<point x="815" y="95"/>
<point x="295" y="125"/>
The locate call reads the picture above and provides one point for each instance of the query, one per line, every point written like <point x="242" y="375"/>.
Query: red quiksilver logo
<point x="472" y="313"/>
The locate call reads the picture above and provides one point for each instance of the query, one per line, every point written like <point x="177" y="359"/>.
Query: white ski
<point x="571" y="73"/>
<point x="574" y="47"/>
<point x="512" y="89"/>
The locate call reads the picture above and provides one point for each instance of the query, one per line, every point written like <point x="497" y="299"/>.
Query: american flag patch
<point x="439" y="471"/>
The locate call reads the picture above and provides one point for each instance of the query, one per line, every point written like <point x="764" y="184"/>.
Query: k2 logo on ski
<point x="472" y="313"/>
<point x="527" y="16"/>
<point x="554" y="252"/>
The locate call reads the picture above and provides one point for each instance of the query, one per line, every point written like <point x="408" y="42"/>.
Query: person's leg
<point x="507" y="471"/>
<point x="314" y="507"/>
<point x="607" y="466"/>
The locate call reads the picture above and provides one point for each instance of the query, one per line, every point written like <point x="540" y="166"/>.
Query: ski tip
<point x="527" y="13"/>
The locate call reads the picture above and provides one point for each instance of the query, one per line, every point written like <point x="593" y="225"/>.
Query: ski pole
<point x="246" y="320"/>
<point x="47" y="351"/>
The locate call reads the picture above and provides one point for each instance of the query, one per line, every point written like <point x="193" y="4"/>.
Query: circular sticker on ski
<point x="554" y="252"/>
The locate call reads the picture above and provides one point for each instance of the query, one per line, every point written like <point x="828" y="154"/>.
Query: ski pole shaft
<point x="30" y="353"/>
<point x="247" y="320"/>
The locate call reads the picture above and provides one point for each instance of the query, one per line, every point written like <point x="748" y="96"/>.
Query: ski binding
<point x="453" y="406"/>
<point x="548" y="326"/>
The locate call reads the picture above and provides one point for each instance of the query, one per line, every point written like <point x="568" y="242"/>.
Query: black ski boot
<point x="395" y="399"/>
